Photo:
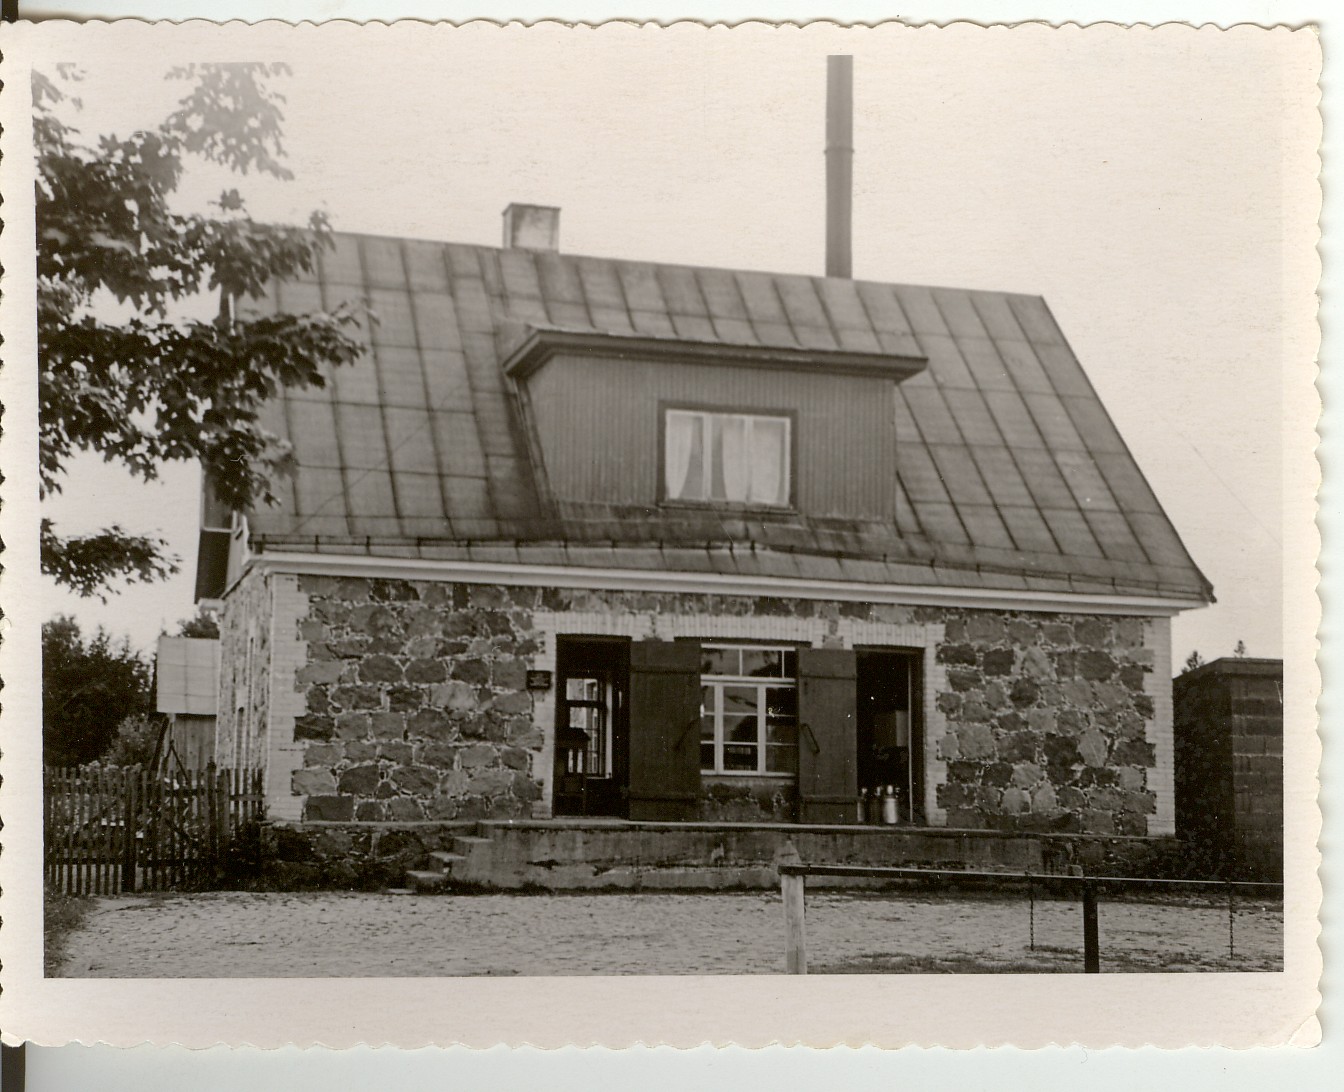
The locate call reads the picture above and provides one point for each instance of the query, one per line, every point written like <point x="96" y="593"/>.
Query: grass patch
<point x="61" y="916"/>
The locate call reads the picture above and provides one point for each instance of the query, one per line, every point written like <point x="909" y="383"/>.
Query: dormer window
<point x="711" y="457"/>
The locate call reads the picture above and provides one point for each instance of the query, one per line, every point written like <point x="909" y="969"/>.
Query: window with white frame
<point x="729" y="458"/>
<point x="748" y="709"/>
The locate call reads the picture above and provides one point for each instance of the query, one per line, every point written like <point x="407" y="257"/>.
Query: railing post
<point x="129" y="845"/>
<point x="795" y="936"/>
<point x="1091" y="944"/>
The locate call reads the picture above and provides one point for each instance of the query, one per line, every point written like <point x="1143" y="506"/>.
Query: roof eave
<point x="541" y="343"/>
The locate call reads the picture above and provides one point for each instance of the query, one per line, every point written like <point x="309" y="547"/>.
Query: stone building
<point x="588" y="537"/>
<point x="1229" y="766"/>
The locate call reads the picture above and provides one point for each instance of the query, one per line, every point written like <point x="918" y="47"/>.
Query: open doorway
<point x="592" y="736"/>
<point x="890" y="727"/>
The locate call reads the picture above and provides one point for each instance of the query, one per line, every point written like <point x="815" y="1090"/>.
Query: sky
<point x="1138" y="185"/>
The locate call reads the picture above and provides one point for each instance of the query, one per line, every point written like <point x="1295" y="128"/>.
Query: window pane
<point x="719" y="661"/>
<point x="684" y="455"/>
<point x="707" y="756"/>
<point x="790" y="663"/>
<point x="739" y="699"/>
<point x="781" y="759"/>
<point x="761" y="662"/>
<point x="781" y="702"/>
<point x="582" y="690"/>
<point x="730" y="479"/>
<point x="740" y="729"/>
<point x="739" y="757"/>
<point x="781" y="732"/>
<point x="769" y="461"/>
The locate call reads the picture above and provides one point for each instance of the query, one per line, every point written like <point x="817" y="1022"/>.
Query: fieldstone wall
<point x="243" y="710"/>
<point x="417" y="706"/>
<point x="414" y="706"/>
<point x="1047" y="723"/>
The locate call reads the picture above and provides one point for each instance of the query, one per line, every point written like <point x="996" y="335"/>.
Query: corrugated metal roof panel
<point x="1028" y="528"/>
<point x="1050" y="417"/>
<point x="680" y="290"/>
<point x="1072" y="532"/>
<point x="997" y="316"/>
<point x="959" y="314"/>
<point x="383" y="266"/>
<point x="1013" y="419"/>
<point x="721" y="294"/>
<point x="959" y="474"/>
<point x="432" y="448"/>
<point x="1035" y="319"/>
<point x="1089" y="488"/>
<point x="922" y="310"/>
<point x="946" y="364"/>
<point x="425" y="266"/>
<point x="340" y="263"/>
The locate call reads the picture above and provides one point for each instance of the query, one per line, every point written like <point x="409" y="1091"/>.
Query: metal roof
<point x="1010" y="472"/>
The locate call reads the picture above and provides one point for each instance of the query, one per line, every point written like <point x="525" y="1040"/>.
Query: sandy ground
<point x="241" y="935"/>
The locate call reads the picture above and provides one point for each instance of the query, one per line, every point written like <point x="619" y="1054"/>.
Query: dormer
<point x="665" y="422"/>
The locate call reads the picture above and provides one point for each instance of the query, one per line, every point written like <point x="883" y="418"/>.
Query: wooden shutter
<point x="827" y="740"/>
<point x="665" y="730"/>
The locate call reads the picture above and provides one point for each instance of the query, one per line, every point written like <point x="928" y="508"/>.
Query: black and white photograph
<point x="724" y="504"/>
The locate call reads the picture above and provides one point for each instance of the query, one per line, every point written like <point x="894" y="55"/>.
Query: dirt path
<point x="240" y="935"/>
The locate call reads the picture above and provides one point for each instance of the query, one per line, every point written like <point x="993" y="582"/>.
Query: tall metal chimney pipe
<point x="839" y="165"/>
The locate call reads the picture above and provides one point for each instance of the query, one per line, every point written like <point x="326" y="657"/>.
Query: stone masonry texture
<point x="1047" y="723"/>
<point x="415" y="704"/>
<point x="417" y="701"/>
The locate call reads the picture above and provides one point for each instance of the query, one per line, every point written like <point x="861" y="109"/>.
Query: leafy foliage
<point x="151" y="388"/>
<point x="136" y="741"/>
<point x="88" y="689"/>
<point x="203" y="625"/>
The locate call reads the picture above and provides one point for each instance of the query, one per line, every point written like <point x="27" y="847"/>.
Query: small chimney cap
<point x="532" y="227"/>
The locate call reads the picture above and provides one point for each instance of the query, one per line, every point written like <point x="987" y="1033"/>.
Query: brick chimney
<point x="532" y="227"/>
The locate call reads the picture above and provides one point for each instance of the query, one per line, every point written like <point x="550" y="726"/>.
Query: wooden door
<point x="664" y="730"/>
<point x="828" y="784"/>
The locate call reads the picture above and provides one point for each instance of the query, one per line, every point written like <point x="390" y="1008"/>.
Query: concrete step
<point x="424" y="881"/>
<point x="399" y="891"/>
<point x="467" y="841"/>
<point x="445" y="859"/>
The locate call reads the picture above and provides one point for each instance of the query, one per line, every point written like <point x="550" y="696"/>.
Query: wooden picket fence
<point x="109" y="830"/>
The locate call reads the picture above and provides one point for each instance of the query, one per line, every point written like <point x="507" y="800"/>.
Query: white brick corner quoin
<point x="288" y="652"/>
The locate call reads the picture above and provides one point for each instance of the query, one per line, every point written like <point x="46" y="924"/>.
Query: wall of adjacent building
<point x="408" y="700"/>
<point x="1229" y="765"/>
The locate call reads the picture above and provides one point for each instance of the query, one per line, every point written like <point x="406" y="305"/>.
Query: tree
<point x="136" y="741"/>
<point x="1240" y="650"/>
<point x="88" y="689"/>
<point x="151" y="388"/>
<point x="203" y="625"/>
<point x="1192" y="661"/>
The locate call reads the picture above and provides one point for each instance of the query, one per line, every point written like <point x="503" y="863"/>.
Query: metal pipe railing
<point x="793" y="879"/>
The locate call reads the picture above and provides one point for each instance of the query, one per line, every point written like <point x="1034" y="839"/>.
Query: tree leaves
<point x="151" y="388"/>
<point x="88" y="688"/>
<point x="90" y="564"/>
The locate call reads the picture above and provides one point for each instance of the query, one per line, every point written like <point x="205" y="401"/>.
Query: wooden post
<point x="128" y="846"/>
<point x="1091" y="944"/>
<point x="795" y="934"/>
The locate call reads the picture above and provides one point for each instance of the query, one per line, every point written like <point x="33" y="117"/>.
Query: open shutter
<point x="828" y="783"/>
<point x="664" y="730"/>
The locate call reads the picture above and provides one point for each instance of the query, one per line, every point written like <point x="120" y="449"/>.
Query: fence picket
<point x="107" y="830"/>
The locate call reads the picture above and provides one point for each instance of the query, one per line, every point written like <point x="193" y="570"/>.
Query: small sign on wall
<point x="539" y="680"/>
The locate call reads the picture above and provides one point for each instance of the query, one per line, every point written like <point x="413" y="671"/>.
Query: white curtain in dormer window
<point x="683" y="439"/>
<point x="769" y="457"/>
<point x="734" y="459"/>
